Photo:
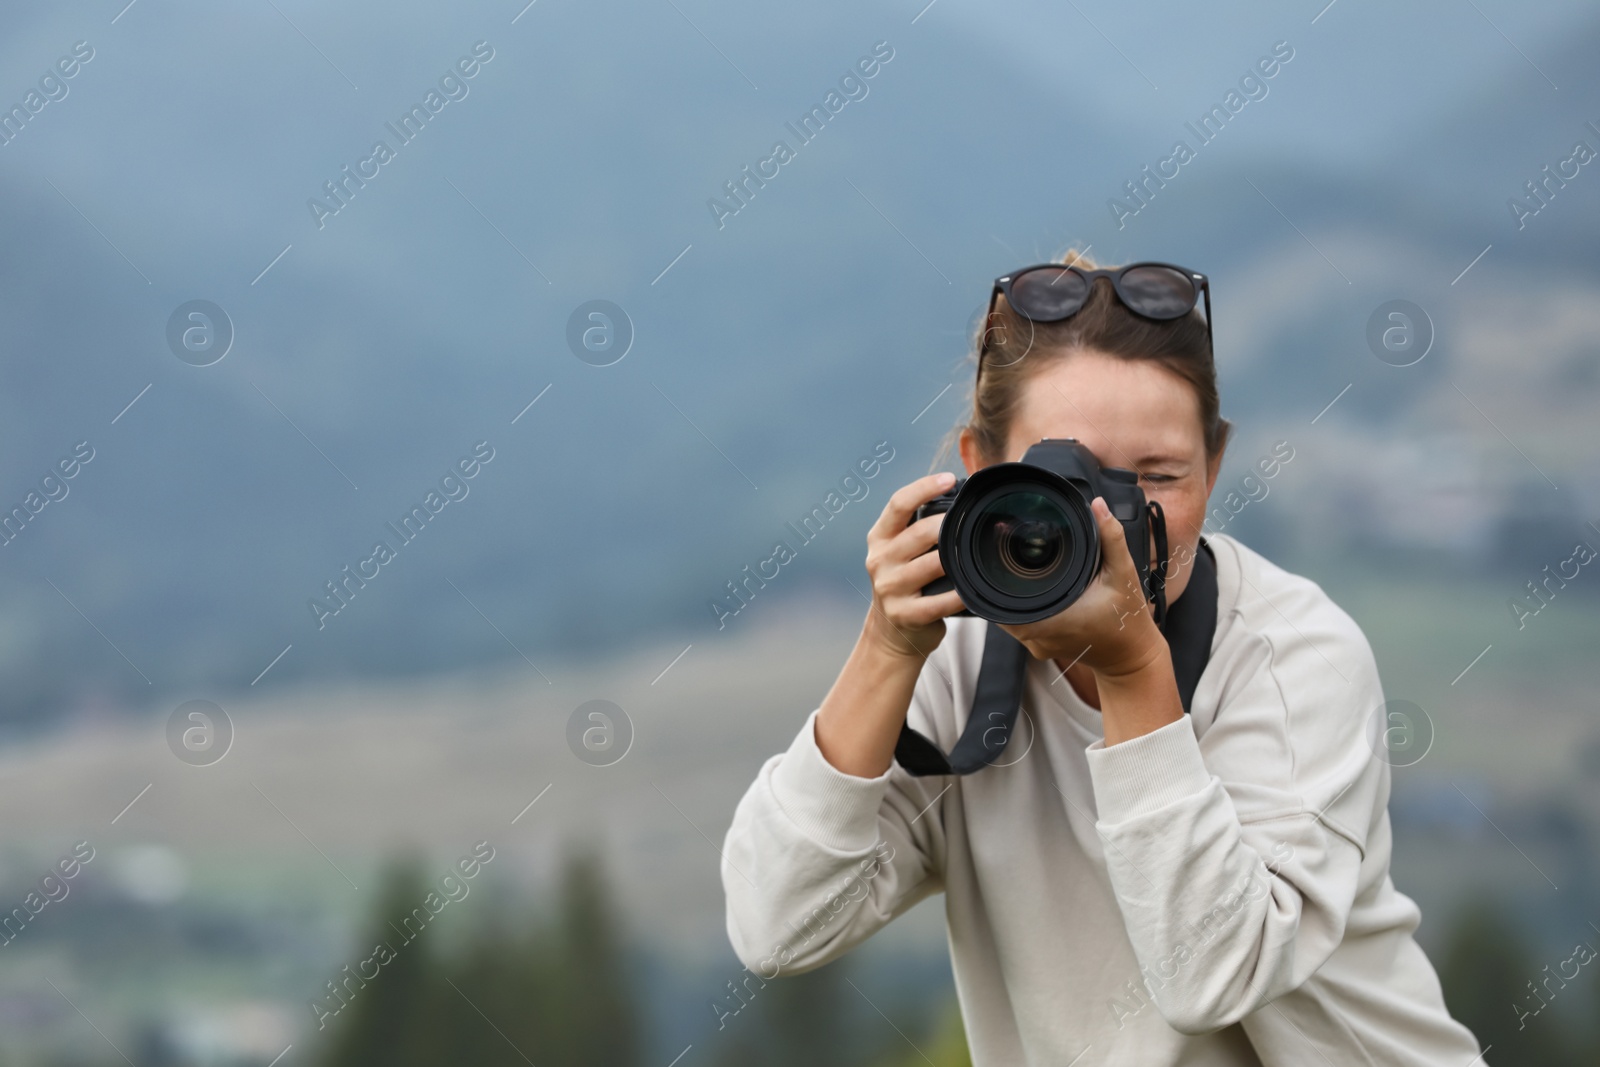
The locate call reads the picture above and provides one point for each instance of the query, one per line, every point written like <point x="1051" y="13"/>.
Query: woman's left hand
<point x="1109" y="628"/>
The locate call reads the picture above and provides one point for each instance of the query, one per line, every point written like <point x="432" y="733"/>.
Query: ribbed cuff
<point x="1146" y="773"/>
<point x="834" y="809"/>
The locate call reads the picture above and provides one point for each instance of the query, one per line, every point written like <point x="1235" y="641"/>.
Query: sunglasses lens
<point x="1159" y="292"/>
<point x="1049" y="293"/>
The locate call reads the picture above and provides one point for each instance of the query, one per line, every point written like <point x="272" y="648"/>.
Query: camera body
<point x="1019" y="541"/>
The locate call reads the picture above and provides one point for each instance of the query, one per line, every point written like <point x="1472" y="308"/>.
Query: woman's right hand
<point x="901" y="559"/>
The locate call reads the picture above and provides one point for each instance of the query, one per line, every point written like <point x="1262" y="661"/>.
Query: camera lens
<point x="1030" y="548"/>
<point x="1019" y="543"/>
<point x="1022" y="542"/>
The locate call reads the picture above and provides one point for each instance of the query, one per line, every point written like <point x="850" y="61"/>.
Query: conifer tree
<point x="379" y="1021"/>
<point x="1489" y="977"/>
<point x="591" y="984"/>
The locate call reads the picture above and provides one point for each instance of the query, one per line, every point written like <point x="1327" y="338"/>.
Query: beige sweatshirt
<point x="1215" y="892"/>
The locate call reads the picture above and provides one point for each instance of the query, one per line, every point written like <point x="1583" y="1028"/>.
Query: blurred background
<point x="575" y="364"/>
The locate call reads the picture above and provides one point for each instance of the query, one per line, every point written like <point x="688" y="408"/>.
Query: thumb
<point x="1113" y="543"/>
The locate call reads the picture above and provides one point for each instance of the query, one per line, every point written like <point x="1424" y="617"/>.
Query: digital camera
<point x="1020" y="544"/>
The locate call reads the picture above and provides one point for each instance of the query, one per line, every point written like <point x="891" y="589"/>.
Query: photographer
<point x="1193" y="819"/>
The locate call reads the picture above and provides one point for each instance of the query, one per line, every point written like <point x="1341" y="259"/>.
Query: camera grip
<point x="938" y="506"/>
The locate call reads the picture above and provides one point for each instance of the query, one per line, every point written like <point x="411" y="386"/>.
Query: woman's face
<point x="1131" y="413"/>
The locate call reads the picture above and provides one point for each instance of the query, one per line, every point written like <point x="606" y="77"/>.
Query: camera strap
<point x="1158" y="577"/>
<point x="994" y="712"/>
<point x="1189" y="625"/>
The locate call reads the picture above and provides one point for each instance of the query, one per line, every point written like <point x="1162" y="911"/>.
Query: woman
<point x="1130" y="883"/>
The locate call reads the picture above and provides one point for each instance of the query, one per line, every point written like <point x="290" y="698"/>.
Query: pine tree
<point x="1486" y="975"/>
<point x="380" y="1020"/>
<point x="597" y="1003"/>
<point x="808" y="1016"/>
<point x="550" y="989"/>
<point x="792" y="1020"/>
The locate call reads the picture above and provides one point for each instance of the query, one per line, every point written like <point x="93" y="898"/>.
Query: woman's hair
<point x="1019" y="348"/>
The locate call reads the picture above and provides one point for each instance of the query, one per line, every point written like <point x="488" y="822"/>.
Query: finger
<point x="905" y="500"/>
<point x="912" y="575"/>
<point x="923" y="610"/>
<point x="915" y="539"/>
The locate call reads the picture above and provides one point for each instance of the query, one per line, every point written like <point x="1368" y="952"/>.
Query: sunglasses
<point x="1050" y="292"/>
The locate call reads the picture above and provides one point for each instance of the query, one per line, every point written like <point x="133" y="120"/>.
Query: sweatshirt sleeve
<point x="1236" y="857"/>
<point x="817" y="860"/>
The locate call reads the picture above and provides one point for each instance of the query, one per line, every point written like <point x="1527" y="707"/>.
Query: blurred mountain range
<point x="831" y="313"/>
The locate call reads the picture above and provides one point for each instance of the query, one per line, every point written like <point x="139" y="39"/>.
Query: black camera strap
<point x="1189" y="625"/>
<point x="994" y="713"/>
<point x="1158" y="577"/>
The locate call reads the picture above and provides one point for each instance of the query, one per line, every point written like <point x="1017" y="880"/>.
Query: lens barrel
<point x="1019" y="541"/>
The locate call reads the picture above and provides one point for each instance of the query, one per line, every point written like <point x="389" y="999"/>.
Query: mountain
<point x="373" y="348"/>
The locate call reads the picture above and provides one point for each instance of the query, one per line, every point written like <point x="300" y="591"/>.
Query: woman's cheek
<point x="1174" y="504"/>
<point x="1184" y="511"/>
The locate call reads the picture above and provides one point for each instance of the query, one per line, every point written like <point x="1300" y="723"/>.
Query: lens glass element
<point x="1022" y="543"/>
